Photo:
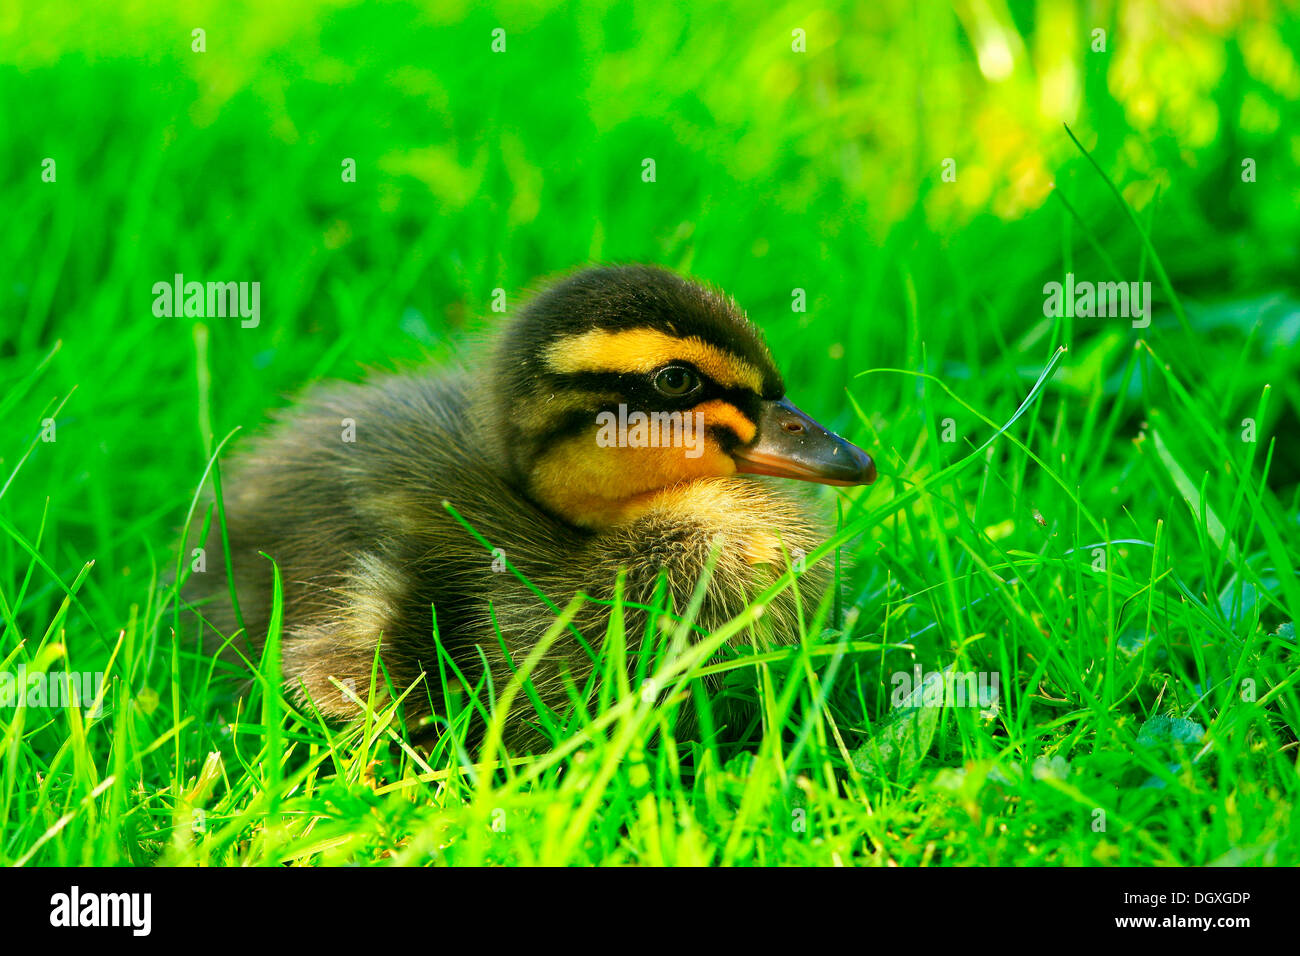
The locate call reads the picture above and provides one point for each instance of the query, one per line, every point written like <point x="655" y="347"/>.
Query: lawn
<point x="1097" y="515"/>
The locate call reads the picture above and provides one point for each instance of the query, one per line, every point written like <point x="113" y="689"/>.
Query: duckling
<point x="554" y="453"/>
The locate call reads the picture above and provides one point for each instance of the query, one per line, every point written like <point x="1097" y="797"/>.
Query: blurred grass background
<point x="776" y="170"/>
<point x="478" y="170"/>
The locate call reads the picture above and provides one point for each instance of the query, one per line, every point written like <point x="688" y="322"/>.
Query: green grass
<point x="1101" y="537"/>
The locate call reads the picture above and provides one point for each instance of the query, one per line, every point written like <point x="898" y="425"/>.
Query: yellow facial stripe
<point x="595" y="487"/>
<point x="643" y="350"/>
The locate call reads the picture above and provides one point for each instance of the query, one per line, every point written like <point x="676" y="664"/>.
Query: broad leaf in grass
<point x="1051" y="768"/>
<point x="1172" y="736"/>
<point x="1273" y="320"/>
<point x="1190" y="491"/>
<point x="1170" y="732"/>
<point x="1238" y="598"/>
<point x="899" y="746"/>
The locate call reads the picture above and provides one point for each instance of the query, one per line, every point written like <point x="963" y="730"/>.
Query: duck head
<point x="620" y="383"/>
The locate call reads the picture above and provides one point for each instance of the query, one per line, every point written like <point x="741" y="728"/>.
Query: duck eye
<point x="676" y="381"/>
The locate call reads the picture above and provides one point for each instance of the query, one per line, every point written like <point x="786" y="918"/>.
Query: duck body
<point x="349" y="493"/>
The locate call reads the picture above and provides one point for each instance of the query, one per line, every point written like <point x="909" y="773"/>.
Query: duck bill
<point x="791" y="445"/>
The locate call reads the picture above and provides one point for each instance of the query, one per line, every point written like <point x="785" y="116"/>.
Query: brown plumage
<point x="365" y="544"/>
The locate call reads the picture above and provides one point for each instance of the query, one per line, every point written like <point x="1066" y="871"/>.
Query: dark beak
<point x="789" y="444"/>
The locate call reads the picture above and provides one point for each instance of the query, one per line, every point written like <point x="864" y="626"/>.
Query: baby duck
<point x="555" y="454"/>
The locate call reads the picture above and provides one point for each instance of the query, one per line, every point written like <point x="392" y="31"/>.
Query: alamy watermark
<point x="1109" y="300"/>
<point x="947" y="688"/>
<point x="211" y="300"/>
<point x="652" y="430"/>
<point x="52" y="689"/>
<point x="73" y="909"/>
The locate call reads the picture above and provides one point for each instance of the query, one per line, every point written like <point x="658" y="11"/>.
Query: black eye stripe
<point x="637" y="390"/>
<point x="568" y="425"/>
<point x="634" y="390"/>
<point x="625" y="383"/>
